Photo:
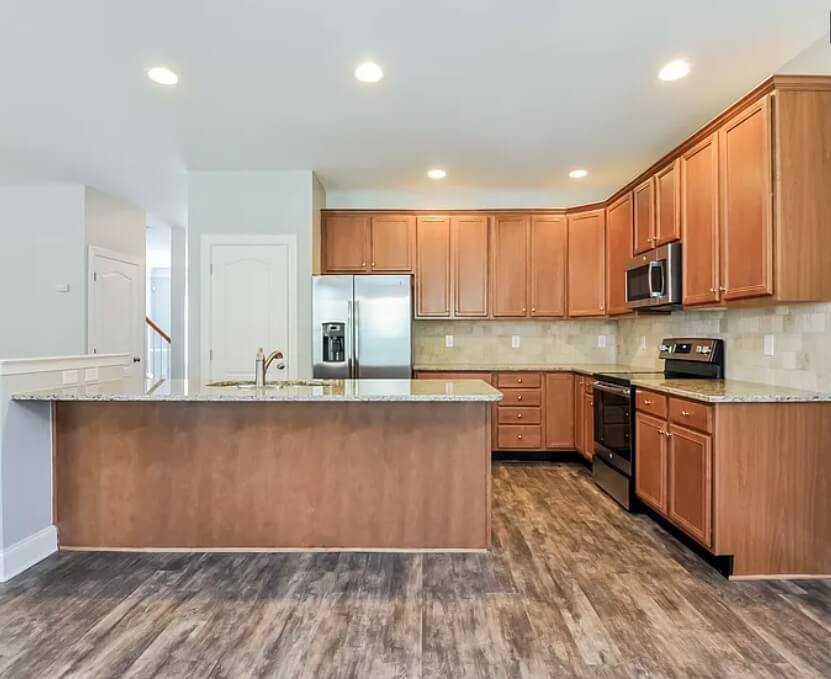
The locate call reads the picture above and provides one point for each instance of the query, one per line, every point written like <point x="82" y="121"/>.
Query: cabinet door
<point x="509" y="266"/>
<point x="392" y="239"/>
<point x="690" y="482"/>
<point x="579" y="428"/>
<point x="618" y="253"/>
<point x="548" y="266"/>
<point x="645" y="216"/>
<point x="651" y="461"/>
<point x="747" y="204"/>
<point x="588" y="425"/>
<point x="345" y="243"/>
<point x="559" y="411"/>
<point x="700" y="222"/>
<point x="432" y="275"/>
<point x="470" y="265"/>
<point x="586" y="263"/>
<point x="667" y="205"/>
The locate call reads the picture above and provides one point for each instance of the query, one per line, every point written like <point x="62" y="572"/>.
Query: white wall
<point x="251" y="203"/>
<point x="450" y="199"/>
<point x="814" y="60"/>
<point x="115" y="224"/>
<point x="42" y="245"/>
<point x="178" y="302"/>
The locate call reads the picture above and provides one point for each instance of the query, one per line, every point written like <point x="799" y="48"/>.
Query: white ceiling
<point x="505" y="95"/>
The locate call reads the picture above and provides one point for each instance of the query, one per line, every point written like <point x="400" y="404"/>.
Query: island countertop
<point x="128" y="390"/>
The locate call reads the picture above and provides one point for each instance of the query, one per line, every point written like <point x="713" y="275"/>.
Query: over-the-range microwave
<point x="653" y="279"/>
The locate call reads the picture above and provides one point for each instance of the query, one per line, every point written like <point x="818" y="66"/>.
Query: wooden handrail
<point x="155" y="327"/>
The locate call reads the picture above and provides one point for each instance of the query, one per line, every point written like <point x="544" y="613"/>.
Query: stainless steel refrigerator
<point x="362" y="326"/>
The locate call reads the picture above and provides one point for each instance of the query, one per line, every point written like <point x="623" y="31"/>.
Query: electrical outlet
<point x="769" y="348"/>
<point x="515" y="341"/>
<point x="448" y="341"/>
<point x="91" y="375"/>
<point x="601" y="341"/>
<point x="70" y="377"/>
<point x="643" y="341"/>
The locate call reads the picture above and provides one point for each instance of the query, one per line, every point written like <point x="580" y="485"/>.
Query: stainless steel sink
<point x="273" y="384"/>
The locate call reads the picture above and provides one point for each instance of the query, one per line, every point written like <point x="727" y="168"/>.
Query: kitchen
<point x="456" y="435"/>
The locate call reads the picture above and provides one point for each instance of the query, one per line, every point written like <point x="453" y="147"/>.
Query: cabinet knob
<point x="519" y="380"/>
<point x="533" y="308"/>
<point x="373" y="265"/>
<point x="685" y="413"/>
<point x="713" y="290"/>
<point x="601" y="307"/>
<point x="363" y="263"/>
<point x="519" y="416"/>
<point x="647" y="402"/>
<point x="519" y="436"/>
<point x="519" y="398"/>
<point x="722" y="289"/>
<point x="523" y="308"/>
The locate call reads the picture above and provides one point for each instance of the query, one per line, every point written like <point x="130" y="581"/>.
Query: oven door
<point x="613" y="425"/>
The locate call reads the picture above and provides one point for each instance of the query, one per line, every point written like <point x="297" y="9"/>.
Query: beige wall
<point x="802" y="342"/>
<point x="489" y="342"/>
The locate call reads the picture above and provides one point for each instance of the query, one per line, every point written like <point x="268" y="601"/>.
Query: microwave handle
<point x="652" y="291"/>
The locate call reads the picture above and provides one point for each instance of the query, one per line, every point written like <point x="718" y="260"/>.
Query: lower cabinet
<point x="559" y="411"/>
<point x="579" y="414"/>
<point x="588" y="424"/>
<point x="674" y="463"/>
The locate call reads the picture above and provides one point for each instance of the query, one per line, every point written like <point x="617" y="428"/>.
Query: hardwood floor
<point x="574" y="587"/>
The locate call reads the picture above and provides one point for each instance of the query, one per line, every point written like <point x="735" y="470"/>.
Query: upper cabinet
<point x="509" y="265"/>
<point x="432" y="273"/>
<point x="549" y="240"/>
<point x="747" y="204"/>
<point x="618" y="252"/>
<point x="587" y="263"/>
<point x="667" y="204"/>
<point x="470" y="265"/>
<point x="645" y="216"/>
<point x="700" y="222"/>
<point x="345" y="243"/>
<point x="360" y="243"/>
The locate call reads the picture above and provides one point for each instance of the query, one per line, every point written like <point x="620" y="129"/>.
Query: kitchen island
<point x="340" y="464"/>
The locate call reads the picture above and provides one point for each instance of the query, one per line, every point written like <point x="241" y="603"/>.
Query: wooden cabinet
<point x="747" y="204"/>
<point x="469" y="247"/>
<point x="548" y="266"/>
<point x="673" y="463"/>
<point x="644" y="205"/>
<point x="392" y="243"/>
<point x="651" y="462"/>
<point x="667" y="204"/>
<point x="579" y="414"/>
<point x="587" y="263"/>
<point x="519" y="422"/>
<point x="509" y="265"/>
<point x="432" y="271"/>
<point x="345" y="243"/>
<point x="618" y="253"/>
<point x="559" y="411"/>
<point x="700" y="222"/>
<point x="690" y="482"/>
<point x="588" y="424"/>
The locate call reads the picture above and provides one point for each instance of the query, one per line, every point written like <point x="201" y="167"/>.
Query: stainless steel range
<point x="613" y="462"/>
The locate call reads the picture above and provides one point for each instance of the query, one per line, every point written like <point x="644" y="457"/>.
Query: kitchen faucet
<point x="262" y="364"/>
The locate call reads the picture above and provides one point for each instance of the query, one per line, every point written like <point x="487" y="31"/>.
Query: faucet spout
<point x="263" y="363"/>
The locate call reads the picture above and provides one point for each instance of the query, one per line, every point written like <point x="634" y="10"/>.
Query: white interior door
<point x="251" y="298"/>
<point x="115" y="315"/>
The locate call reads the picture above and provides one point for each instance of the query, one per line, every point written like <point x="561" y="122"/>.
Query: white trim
<point x="26" y="366"/>
<point x="208" y="241"/>
<point x="95" y="251"/>
<point x="27" y="552"/>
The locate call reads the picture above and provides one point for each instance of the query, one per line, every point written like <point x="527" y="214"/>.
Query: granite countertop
<point x="730" y="391"/>
<point x="299" y="390"/>
<point x="582" y="368"/>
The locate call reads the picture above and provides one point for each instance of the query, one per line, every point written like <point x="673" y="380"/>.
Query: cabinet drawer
<point x="518" y="436"/>
<point x="519" y="415"/>
<point x="519" y="380"/>
<point x="520" y="397"/>
<point x="691" y="414"/>
<point x="650" y="402"/>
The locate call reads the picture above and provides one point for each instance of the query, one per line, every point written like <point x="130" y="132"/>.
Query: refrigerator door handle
<point x="356" y="340"/>
<point x="350" y="339"/>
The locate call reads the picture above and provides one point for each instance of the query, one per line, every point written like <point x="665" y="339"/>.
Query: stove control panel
<point x="691" y="349"/>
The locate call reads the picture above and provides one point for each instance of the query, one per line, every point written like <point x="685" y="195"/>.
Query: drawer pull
<point x="519" y="398"/>
<point x="647" y="402"/>
<point x="685" y="413"/>
<point x="519" y="416"/>
<point x="519" y="380"/>
<point x="519" y="436"/>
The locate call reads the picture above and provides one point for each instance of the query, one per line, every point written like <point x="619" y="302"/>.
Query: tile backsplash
<point x="801" y="342"/>
<point x="489" y="342"/>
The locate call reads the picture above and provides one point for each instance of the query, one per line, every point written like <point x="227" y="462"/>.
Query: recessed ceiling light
<point x="436" y="173"/>
<point x="578" y="174"/>
<point x="162" y="75"/>
<point x="674" y="70"/>
<point x="369" y="72"/>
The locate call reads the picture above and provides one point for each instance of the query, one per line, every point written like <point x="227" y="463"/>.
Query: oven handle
<point x="612" y="389"/>
<point x="652" y="291"/>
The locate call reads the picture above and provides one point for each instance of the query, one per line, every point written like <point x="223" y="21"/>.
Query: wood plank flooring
<point x="574" y="587"/>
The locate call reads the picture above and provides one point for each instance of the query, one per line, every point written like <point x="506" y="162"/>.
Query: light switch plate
<point x="62" y="287"/>
<point x="70" y="377"/>
<point x="515" y="341"/>
<point x="643" y="341"/>
<point x="448" y="341"/>
<point x="769" y="347"/>
<point x="601" y="341"/>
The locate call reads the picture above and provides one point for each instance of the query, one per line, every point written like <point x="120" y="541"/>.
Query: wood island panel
<point x="270" y="476"/>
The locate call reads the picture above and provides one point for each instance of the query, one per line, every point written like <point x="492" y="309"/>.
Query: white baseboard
<point x="26" y="553"/>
